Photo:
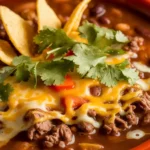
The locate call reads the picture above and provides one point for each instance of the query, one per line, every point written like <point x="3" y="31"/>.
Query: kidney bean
<point x="104" y="20"/>
<point x="123" y="27"/>
<point x="98" y="11"/>
<point x="95" y="90"/>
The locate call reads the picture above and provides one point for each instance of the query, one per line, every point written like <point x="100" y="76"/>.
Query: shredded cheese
<point x="25" y="98"/>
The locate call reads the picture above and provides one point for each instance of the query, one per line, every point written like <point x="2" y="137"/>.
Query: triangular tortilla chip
<point x="19" y="31"/>
<point x="7" y="53"/>
<point x="46" y="16"/>
<point x="75" y="19"/>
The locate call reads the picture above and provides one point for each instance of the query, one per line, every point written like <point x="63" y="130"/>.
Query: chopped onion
<point x="135" y="134"/>
<point x="141" y="67"/>
<point x="144" y="84"/>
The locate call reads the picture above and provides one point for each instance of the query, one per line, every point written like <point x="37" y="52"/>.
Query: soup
<point x="86" y="114"/>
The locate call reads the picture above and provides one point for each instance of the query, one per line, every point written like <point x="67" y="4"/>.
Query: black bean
<point x="98" y="11"/>
<point x="143" y="31"/>
<point x="95" y="90"/>
<point x="94" y="21"/>
<point x="104" y="20"/>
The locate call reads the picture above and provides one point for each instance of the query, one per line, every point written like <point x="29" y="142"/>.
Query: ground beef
<point x="135" y="44"/>
<point x="85" y="127"/>
<point x="33" y="114"/>
<point x="115" y="128"/>
<point x="145" y="102"/>
<point x="110" y="128"/>
<point x="92" y="113"/>
<point x="51" y="140"/>
<point x="146" y="118"/>
<point x="129" y="90"/>
<point x="131" y="117"/>
<point x="37" y="131"/>
<point x="121" y="123"/>
<point x="61" y="135"/>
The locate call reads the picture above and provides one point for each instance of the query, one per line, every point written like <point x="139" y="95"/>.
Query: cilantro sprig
<point x="56" y="39"/>
<point x="51" y="73"/>
<point x="102" y="37"/>
<point x="88" y="60"/>
<point x="5" y="90"/>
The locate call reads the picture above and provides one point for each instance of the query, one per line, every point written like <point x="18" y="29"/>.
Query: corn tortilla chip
<point x="19" y="31"/>
<point x="46" y="16"/>
<point x="7" y="53"/>
<point x="75" y="19"/>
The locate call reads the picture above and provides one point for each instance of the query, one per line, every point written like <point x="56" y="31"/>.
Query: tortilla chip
<point x="75" y="19"/>
<point x="89" y="146"/>
<point x="19" y="31"/>
<point x="46" y="16"/>
<point x="7" y="53"/>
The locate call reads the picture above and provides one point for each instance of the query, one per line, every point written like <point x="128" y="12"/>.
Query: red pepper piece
<point x="69" y="53"/>
<point x="76" y="101"/>
<point x="67" y="85"/>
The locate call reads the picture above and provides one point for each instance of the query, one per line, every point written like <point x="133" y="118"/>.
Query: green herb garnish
<point x="5" y="90"/>
<point x="89" y="60"/>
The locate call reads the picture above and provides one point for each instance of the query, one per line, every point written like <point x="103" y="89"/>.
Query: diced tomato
<point x="70" y="53"/>
<point x="76" y="101"/>
<point x="143" y="146"/>
<point x="67" y="85"/>
<point x="51" y="56"/>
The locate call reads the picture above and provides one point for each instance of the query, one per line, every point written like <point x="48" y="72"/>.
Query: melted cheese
<point x="112" y="60"/>
<point x="25" y="97"/>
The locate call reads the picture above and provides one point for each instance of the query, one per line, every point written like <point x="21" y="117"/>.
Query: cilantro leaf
<point x="115" y="51"/>
<point x="21" y="60"/>
<point x="101" y="37"/>
<point x="5" y="91"/>
<point x="120" y="37"/>
<point x="54" y="38"/>
<point x="22" y="73"/>
<point x="5" y="72"/>
<point x="85" y="57"/>
<point x="53" y="73"/>
<point x="25" y="68"/>
<point x="111" y="74"/>
<point x="123" y="65"/>
<point x="106" y="74"/>
<point x="131" y="75"/>
<point x="35" y="74"/>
